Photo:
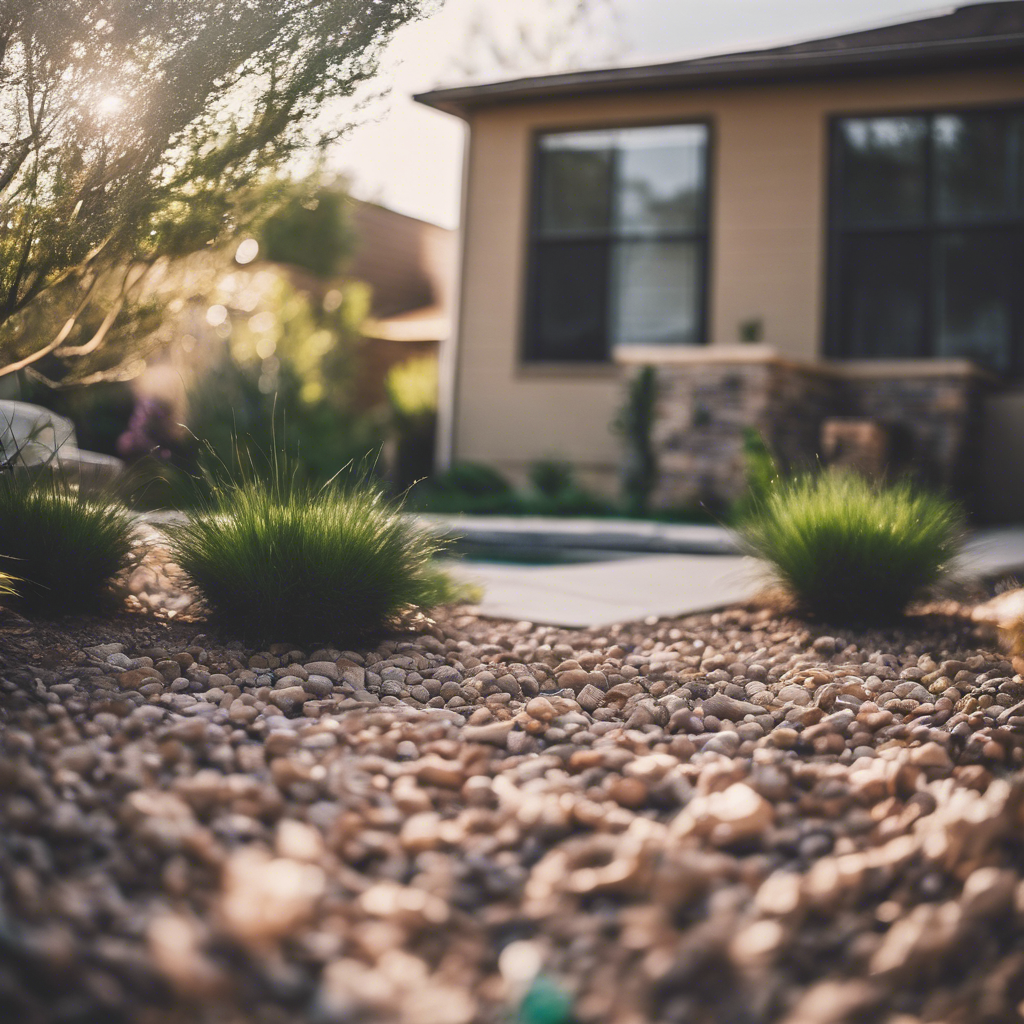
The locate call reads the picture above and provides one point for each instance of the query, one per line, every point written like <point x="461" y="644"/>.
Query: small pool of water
<point x="533" y="554"/>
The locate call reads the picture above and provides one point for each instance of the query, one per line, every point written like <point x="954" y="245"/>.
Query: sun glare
<point x="110" y="105"/>
<point x="247" y="251"/>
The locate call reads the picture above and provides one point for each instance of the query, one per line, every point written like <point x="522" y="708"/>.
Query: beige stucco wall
<point x="767" y="248"/>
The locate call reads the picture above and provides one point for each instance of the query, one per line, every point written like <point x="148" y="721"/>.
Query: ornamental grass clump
<point x="282" y="560"/>
<point x="850" y="550"/>
<point x="64" y="548"/>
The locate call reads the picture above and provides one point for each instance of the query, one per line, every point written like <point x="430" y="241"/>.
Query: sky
<point x="409" y="157"/>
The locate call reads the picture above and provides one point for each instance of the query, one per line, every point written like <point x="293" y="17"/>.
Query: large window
<point x="618" y="245"/>
<point x="927" y="237"/>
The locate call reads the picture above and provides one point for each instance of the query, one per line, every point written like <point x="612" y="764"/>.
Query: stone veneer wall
<point x="935" y="423"/>
<point x="705" y="406"/>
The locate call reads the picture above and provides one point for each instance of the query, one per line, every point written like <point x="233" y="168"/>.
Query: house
<point x="801" y="239"/>
<point x="409" y="265"/>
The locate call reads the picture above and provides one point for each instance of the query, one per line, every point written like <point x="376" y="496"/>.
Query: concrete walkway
<point x="622" y="590"/>
<point x="655" y="585"/>
<point x="995" y="551"/>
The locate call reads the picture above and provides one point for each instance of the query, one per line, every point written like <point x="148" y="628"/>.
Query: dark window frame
<point x="529" y="357"/>
<point x="930" y="226"/>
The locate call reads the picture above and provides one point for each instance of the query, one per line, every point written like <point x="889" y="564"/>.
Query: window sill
<point x="666" y="355"/>
<point x="934" y="367"/>
<point x="703" y="355"/>
<point x="559" y="371"/>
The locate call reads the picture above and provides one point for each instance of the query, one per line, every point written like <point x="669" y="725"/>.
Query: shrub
<point x="64" y="548"/>
<point x="556" y="493"/>
<point x="850" y="550"/>
<point x="576" y="501"/>
<point x="310" y="228"/>
<point x="412" y="388"/>
<point x="474" y="479"/>
<point x="288" y="359"/>
<point x="466" y="487"/>
<point x="550" y="478"/>
<point x="284" y="560"/>
<point x="635" y="424"/>
<point x="761" y="471"/>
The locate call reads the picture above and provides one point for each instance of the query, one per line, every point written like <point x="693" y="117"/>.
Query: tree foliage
<point x="278" y="372"/>
<point x="538" y="37"/>
<point x="309" y="227"/>
<point x="134" y="132"/>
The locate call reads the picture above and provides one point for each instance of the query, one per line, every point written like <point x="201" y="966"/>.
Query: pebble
<point x="363" y="829"/>
<point x="721" y="706"/>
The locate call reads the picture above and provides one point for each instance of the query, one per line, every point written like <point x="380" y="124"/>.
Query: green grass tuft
<point x="850" y="550"/>
<point x="63" y="548"/>
<point x="282" y="560"/>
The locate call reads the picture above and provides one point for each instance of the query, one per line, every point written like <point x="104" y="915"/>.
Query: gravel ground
<point x="733" y="819"/>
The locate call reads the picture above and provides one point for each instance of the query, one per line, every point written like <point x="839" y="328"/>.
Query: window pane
<point x="979" y="274"/>
<point x="575" y="182"/>
<point x="882" y="170"/>
<point x="656" y="293"/>
<point x="570" y="282"/>
<point x="661" y="184"/>
<point x="975" y="161"/>
<point x="882" y="296"/>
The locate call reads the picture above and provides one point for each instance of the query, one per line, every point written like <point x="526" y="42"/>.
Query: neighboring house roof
<point x="981" y="34"/>
<point x="429" y="323"/>
<point x="408" y="263"/>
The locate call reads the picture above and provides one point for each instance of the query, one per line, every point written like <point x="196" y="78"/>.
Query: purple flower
<point x="151" y="430"/>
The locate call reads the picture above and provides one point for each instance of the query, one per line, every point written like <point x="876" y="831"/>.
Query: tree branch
<point x="108" y="321"/>
<point x="62" y="335"/>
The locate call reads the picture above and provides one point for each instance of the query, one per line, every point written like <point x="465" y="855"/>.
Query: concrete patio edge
<point x="546" y="532"/>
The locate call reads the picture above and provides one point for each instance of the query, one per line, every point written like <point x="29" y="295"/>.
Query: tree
<point x="309" y="227"/>
<point x="133" y="133"/>
<point x="532" y="37"/>
<point x="277" y="372"/>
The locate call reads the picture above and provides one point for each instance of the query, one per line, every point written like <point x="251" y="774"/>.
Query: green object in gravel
<point x="546" y="1003"/>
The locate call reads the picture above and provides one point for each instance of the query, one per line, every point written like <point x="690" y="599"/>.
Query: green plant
<point x="550" y="478"/>
<point x="751" y="331"/>
<point x="634" y="424"/>
<point x="64" y="547"/>
<point x="850" y="550"/>
<point x="412" y="388"/>
<point x="309" y="229"/>
<point x="469" y="487"/>
<point x="474" y="479"/>
<point x="276" y="558"/>
<point x="761" y="471"/>
<point x="291" y="359"/>
<point x="761" y="468"/>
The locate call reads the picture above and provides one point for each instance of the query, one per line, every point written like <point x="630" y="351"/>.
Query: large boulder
<point x="31" y="436"/>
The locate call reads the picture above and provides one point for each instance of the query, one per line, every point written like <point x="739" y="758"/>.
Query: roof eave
<point x="743" y="69"/>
